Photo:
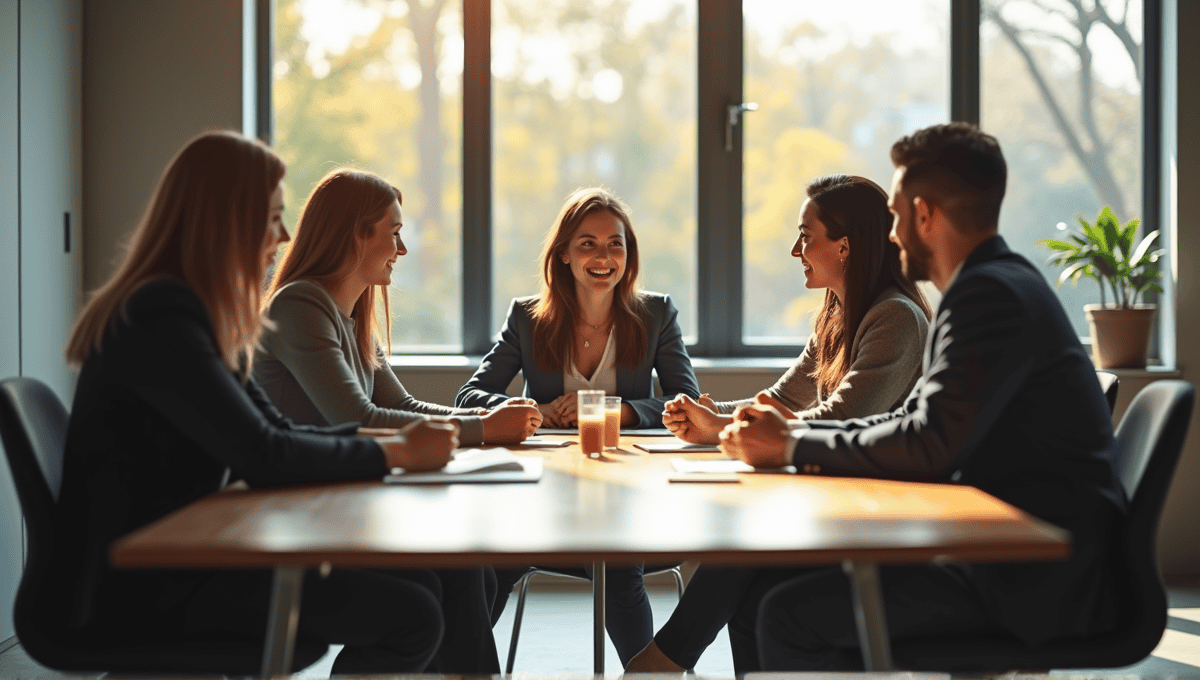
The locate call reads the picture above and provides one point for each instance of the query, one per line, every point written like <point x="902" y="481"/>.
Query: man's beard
<point x="916" y="256"/>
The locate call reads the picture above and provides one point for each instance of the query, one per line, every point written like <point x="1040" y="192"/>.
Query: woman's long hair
<point x="206" y="224"/>
<point x="339" y="215"/>
<point x="557" y="308"/>
<point x="855" y="208"/>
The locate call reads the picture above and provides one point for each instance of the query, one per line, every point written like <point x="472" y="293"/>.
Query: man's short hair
<point x="959" y="168"/>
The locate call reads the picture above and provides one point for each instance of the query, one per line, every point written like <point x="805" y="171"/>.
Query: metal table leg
<point x="598" y="618"/>
<point x="283" y="621"/>
<point x="868" y="614"/>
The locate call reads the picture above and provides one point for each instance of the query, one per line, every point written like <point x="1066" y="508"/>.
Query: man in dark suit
<point x="1008" y="402"/>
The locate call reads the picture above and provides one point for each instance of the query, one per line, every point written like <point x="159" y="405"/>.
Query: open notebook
<point x="475" y="465"/>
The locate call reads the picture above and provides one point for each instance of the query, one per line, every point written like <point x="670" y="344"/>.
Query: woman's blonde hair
<point x="206" y="224"/>
<point x="340" y="213"/>
<point x="557" y="308"/>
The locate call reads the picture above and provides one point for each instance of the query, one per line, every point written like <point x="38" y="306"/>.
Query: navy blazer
<point x="1008" y="402"/>
<point x="513" y="352"/>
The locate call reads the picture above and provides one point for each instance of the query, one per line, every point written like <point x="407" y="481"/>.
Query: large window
<point x="1062" y="90"/>
<point x="595" y="93"/>
<point x="378" y="86"/>
<point x="859" y="75"/>
<point x="487" y="129"/>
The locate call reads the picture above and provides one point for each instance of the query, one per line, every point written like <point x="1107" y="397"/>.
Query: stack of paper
<point x="475" y="465"/>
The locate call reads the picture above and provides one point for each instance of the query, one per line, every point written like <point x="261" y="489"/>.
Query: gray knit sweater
<point x="885" y="361"/>
<point x="310" y="368"/>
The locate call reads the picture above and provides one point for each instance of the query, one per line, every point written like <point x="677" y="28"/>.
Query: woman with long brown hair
<point x="863" y="358"/>
<point x="165" y="410"/>
<point x="864" y="354"/>
<point x="325" y="359"/>
<point x="592" y="328"/>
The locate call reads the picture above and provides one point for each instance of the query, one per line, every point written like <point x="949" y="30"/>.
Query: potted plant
<point x="1107" y="253"/>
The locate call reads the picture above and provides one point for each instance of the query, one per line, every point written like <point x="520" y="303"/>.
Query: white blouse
<point x="605" y="376"/>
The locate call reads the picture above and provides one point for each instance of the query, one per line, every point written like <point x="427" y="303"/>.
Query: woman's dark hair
<point x="854" y="208"/>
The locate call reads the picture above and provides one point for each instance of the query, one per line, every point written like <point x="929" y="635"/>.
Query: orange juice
<point x="612" y="429"/>
<point x="591" y="436"/>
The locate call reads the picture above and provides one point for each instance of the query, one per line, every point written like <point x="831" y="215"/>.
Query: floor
<point x="556" y="641"/>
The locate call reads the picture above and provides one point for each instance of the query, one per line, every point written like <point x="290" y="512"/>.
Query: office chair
<point x="523" y="585"/>
<point x="33" y="430"/>
<point x="1109" y="383"/>
<point x="1149" y="440"/>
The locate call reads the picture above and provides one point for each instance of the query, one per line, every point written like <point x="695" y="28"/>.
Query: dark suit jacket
<point x="1008" y="402"/>
<point x="513" y="352"/>
<point x="156" y="420"/>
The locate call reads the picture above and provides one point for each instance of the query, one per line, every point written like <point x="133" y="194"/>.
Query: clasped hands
<point x="562" y="412"/>
<point x="755" y="433"/>
<point x="428" y="444"/>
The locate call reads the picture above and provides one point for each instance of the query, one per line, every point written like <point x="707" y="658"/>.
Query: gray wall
<point x="155" y="75"/>
<point x="1179" y="537"/>
<point x="40" y="146"/>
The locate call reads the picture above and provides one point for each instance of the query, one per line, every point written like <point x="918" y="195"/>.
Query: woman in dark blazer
<point x="591" y="328"/>
<point x="165" y="410"/>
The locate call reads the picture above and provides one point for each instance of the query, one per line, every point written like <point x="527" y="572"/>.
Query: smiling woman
<point x="325" y="359"/>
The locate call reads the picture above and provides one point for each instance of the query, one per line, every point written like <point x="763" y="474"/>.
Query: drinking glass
<point x="591" y="421"/>
<point x="612" y="422"/>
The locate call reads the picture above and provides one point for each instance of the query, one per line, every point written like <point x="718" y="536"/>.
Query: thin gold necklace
<point x="595" y="327"/>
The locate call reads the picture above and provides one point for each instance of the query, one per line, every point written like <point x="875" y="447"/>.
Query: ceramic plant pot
<point x="1120" y="336"/>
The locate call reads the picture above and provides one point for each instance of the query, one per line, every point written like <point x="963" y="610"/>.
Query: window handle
<point x="735" y="114"/>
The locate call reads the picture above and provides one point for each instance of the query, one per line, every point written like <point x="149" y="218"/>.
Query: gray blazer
<point x="310" y="368"/>
<point x="513" y="352"/>
<point x="885" y="361"/>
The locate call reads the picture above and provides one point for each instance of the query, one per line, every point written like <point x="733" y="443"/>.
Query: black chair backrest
<point x="33" y="427"/>
<point x="1149" y="440"/>
<point x="1109" y="383"/>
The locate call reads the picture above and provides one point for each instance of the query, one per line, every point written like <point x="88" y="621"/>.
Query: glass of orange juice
<point x="612" y="422"/>
<point x="590" y="415"/>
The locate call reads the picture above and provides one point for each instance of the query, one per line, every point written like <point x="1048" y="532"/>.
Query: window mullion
<point x="965" y="18"/>
<point x="719" y="179"/>
<point x="477" y="177"/>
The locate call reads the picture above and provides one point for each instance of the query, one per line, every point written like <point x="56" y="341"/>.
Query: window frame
<point x="719" y="182"/>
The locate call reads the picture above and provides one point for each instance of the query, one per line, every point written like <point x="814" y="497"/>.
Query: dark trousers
<point x="803" y="619"/>
<point x="388" y="621"/>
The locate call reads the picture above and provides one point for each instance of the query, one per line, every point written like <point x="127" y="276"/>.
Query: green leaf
<point x="1136" y="258"/>
<point x="1105" y="264"/>
<point x="1073" y="272"/>
<point x="1056" y="245"/>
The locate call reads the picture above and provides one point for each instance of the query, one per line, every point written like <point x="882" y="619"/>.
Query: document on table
<point x="716" y="467"/>
<point x="678" y="446"/>
<point x="546" y="443"/>
<point x="649" y="432"/>
<point x="475" y="465"/>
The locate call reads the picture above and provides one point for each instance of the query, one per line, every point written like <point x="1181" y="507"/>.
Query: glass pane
<point x="590" y="93"/>
<point x="364" y="84"/>
<point x="836" y="84"/>
<point x="1062" y="92"/>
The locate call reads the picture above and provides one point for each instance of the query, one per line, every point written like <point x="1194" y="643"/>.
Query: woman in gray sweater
<point x="863" y="358"/>
<point x="324" y="360"/>
<point x="864" y="354"/>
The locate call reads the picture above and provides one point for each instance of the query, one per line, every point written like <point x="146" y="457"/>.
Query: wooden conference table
<point x="619" y="509"/>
